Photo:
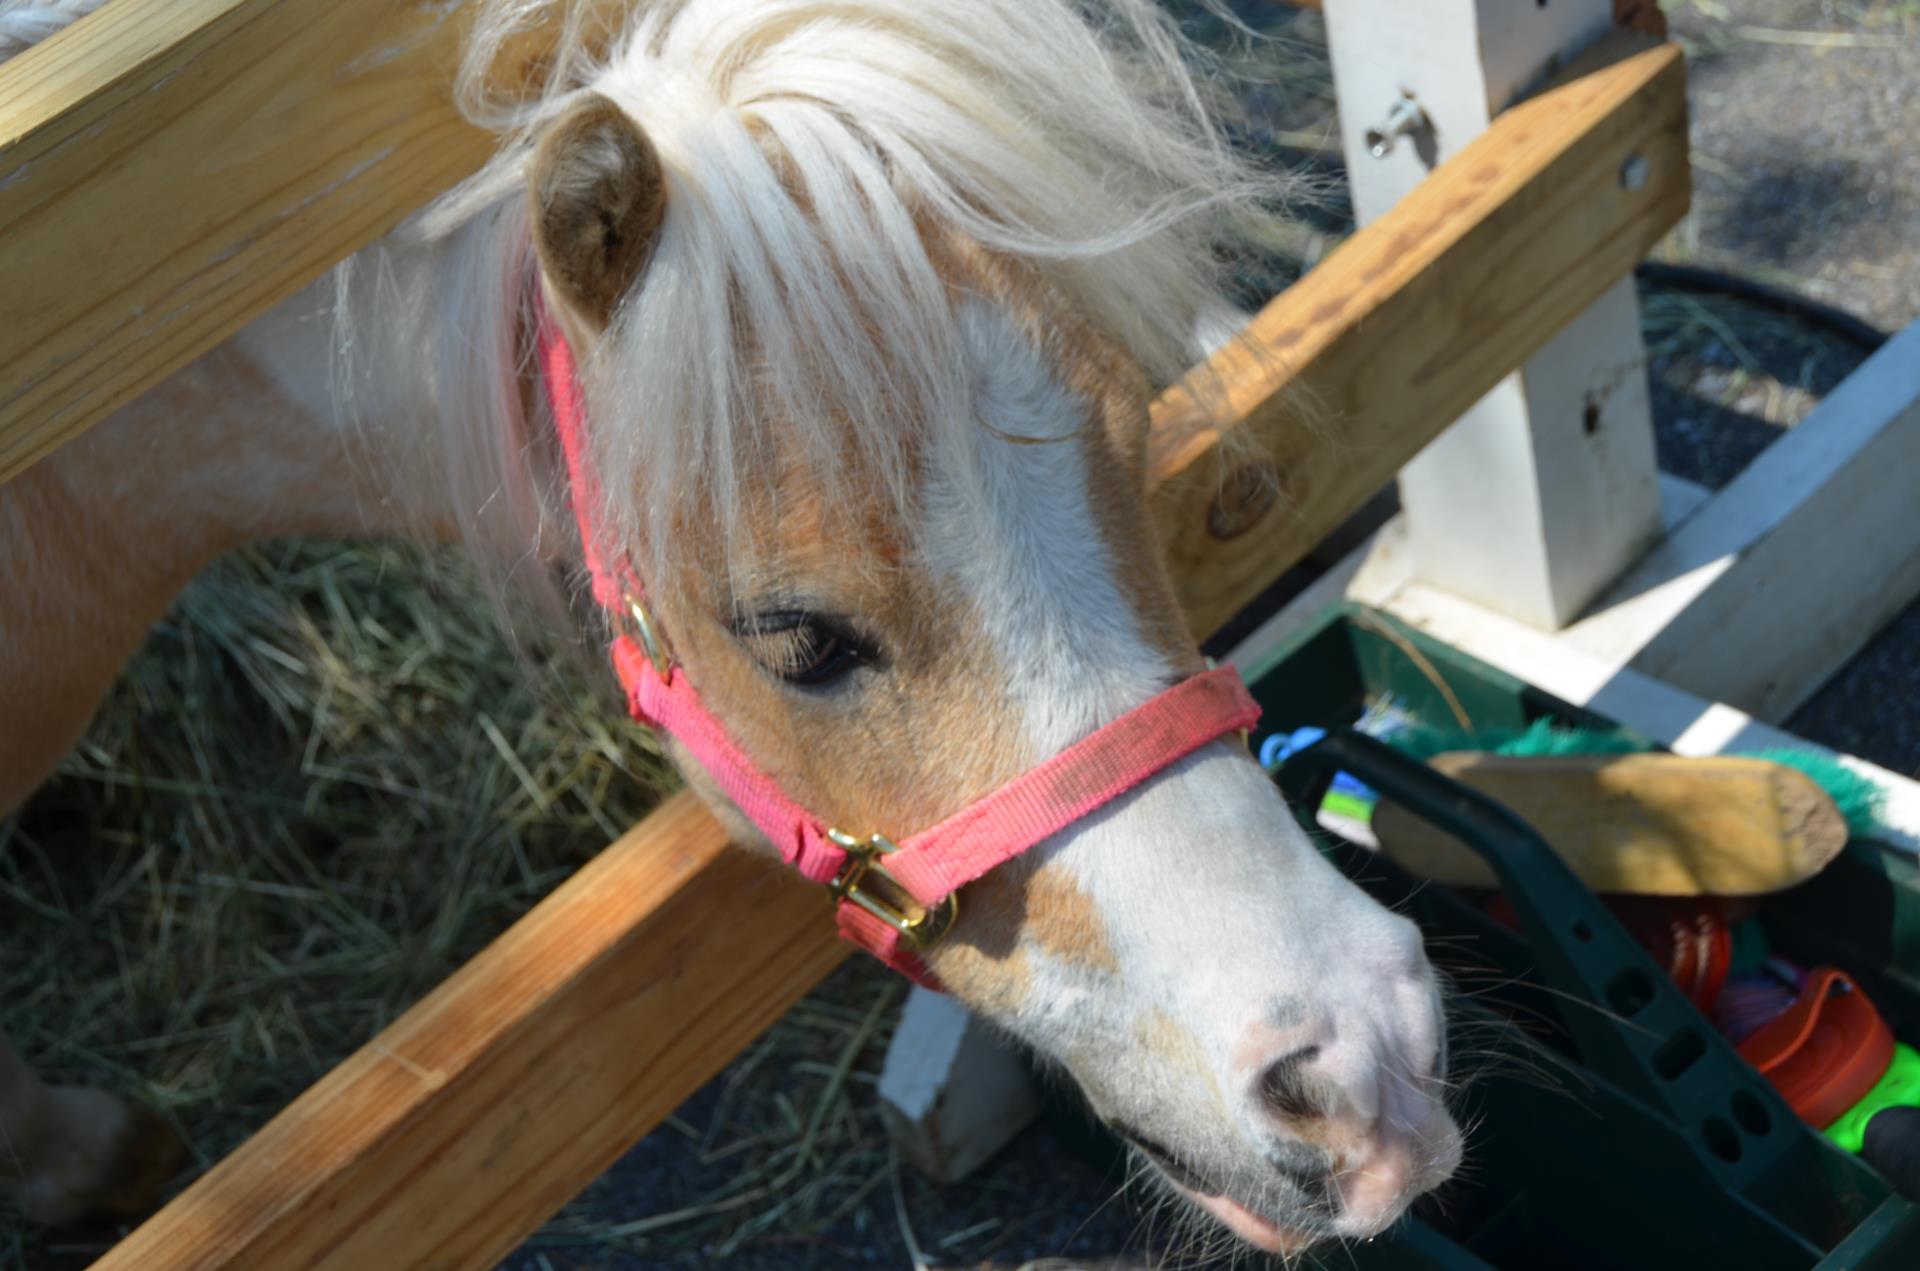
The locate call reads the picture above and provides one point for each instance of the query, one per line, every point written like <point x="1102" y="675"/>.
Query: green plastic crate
<point x="1616" y="1129"/>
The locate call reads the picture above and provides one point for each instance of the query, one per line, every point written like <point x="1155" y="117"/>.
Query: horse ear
<point x="598" y="199"/>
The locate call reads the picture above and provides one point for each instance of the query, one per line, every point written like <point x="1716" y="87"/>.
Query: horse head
<point x="870" y="411"/>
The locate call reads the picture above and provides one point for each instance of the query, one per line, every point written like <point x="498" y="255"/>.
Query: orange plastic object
<point x="1827" y="1051"/>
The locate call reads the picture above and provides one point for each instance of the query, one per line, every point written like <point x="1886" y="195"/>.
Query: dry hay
<point x="323" y="784"/>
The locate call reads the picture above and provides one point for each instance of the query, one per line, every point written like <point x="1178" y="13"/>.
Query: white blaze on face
<point x="1010" y="524"/>
<point x="1237" y="944"/>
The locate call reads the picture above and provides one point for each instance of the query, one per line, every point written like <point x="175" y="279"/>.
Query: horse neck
<point x="365" y="394"/>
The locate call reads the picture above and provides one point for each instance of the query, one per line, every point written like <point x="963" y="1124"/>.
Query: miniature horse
<point x="869" y="298"/>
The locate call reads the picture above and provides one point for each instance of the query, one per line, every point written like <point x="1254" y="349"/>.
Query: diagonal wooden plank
<point x="511" y="1086"/>
<point x="171" y="169"/>
<point x="1817" y="534"/>
<point x="1372" y="354"/>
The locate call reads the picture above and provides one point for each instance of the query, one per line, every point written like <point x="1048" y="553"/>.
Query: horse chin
<point x="1256" y="1229"/>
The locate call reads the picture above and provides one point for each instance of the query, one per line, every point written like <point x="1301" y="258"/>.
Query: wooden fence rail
<point x="1387" y="341"/>
<point x="170" y="169"/>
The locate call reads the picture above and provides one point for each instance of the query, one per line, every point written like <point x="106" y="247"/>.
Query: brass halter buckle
<point x="1244" y="734"/>
<point x="648" y="634"/>
<point x="920" y="927"/>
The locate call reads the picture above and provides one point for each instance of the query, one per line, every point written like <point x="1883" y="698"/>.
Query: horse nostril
<point x="1286" y="1086"/>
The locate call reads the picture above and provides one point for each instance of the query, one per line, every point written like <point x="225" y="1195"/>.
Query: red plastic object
<point x="1689" y="939"/>
<point x="1827" y="1051"/>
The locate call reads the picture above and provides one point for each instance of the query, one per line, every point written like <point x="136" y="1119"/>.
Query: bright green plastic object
<point x="1898" y="1087"/>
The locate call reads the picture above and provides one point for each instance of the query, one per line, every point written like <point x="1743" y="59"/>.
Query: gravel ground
<point x="1806" y="146"/>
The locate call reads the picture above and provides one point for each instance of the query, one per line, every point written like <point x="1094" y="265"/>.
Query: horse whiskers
<point x="1419" y="1085"/>
<point x="1574" y="999"/>
<point x="1134" y="1172"/>
<point x="1490" y="1030"/>
<point x="1508" y="1065"/>
<point x="1193" y="1239"/>
<point x="1498" y="1028"/>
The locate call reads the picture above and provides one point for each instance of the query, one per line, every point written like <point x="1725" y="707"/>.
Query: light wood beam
<point x="170" y="169"/>
<point x="509" y="1088"/>
<point x="1352" y="370"/>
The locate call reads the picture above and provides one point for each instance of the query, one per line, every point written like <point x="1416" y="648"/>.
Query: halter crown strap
<point x="932" y="864"/>
<point x="569" y="406"/>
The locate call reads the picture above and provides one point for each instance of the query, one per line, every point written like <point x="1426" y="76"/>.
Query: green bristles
<point x="1542" y="737"/>
<point x="1860" y="801"/>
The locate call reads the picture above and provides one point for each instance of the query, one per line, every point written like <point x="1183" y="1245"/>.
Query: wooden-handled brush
<point x="1650" y="824"/>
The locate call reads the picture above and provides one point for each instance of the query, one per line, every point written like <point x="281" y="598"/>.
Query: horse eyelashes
<point x="803" y="649"/>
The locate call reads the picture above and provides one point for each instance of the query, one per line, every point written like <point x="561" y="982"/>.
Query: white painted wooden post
<point x="1545" y="492"/>
<point x="952" y="1092"/>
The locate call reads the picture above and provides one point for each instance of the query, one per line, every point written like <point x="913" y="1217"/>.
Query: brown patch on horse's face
<point x="868" y="757"/>
<point x="996" y="986"/>
<point x="1165" y="1040"/>
<point x="1062" y="920"/>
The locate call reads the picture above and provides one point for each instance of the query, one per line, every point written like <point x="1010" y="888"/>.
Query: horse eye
<point x="804" y="649"/>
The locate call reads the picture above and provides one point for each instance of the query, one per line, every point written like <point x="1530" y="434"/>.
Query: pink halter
<point x="895" y="899"/>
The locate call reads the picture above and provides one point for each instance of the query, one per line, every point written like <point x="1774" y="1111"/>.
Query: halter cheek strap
<point x="895" y="898"/>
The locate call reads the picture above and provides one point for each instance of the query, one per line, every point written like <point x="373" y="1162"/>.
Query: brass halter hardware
<point x="648" y="634"/>
<point x="919" y="927"/>
<point x="1244" y="734"/>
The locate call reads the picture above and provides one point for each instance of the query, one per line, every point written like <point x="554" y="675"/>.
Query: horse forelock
<point x="807" y="147"/>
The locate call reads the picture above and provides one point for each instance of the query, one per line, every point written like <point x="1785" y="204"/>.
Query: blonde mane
<point x="806" y="145"/>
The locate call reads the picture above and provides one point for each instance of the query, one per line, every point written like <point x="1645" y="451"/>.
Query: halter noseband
<point x="896" y="899"/>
